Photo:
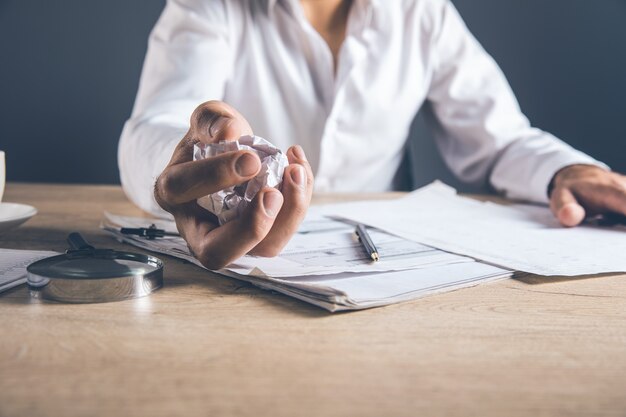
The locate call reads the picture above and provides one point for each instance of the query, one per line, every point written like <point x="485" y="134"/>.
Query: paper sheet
<point x="13" y="265"/>
<point x="519" y="237"/>
<point x="339" y="292"/>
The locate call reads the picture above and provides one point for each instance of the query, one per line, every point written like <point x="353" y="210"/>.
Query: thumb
<point x="215" y="121"/>
<point x="566" y="208"/>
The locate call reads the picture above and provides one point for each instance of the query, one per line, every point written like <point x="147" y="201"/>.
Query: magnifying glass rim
<point x="35" y="267"/>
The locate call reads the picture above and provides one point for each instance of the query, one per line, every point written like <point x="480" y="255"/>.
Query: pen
<point x="148" y="232"/>
<point x="366" y="241"/>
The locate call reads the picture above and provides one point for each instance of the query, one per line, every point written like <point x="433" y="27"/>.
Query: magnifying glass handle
<point x="77" y="242"/>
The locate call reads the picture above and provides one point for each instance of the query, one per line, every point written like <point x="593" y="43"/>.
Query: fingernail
<point x="299" y="152"/>
<point x="298" y="176"/>
<point x="246" y="165"/>
<point x="218" y="125"/>
<point x="272" y="202"/>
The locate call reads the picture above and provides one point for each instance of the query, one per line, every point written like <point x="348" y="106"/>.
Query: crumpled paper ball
<point x="229" y="203"/>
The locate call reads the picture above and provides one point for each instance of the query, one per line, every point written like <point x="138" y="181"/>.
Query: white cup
<point x="2" y="174"/>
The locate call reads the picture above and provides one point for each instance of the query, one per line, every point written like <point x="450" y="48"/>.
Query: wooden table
<point x="206" y="345"/>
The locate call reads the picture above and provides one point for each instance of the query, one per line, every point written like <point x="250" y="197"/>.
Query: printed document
<point x="322" y="246"/>
<point x="13" y="265"/>
<point x="325" y="266"/>
<point x="518" y="237"/>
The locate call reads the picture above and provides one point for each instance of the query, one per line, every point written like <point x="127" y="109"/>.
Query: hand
<point x="579" y="191"/>
<point x="270" y="220"/>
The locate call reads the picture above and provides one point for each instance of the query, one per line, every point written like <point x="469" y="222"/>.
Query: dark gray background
<point x="69" y="71"/>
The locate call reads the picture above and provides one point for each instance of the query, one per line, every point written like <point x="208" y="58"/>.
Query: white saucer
<point x="13" y="214"/>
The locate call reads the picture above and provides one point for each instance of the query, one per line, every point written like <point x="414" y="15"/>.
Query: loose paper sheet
<point x="519" y="237"/>
<point x="13" y="265"/>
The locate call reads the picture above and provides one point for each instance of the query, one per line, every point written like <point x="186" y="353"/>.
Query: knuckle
<point x="209" y="257"/>
<point x="298" y="210"/>
<point x="211" y="263"/>
<point x="161" y="188"/>
<point x="204" y="114"/>
<point x="255" y="228"/>
<point x="254" y="225"/>
<point x="166" y="186"/>
<point x="257" y="231"/>
<point x="618" y="182"/>
<point x="158" y="197"/>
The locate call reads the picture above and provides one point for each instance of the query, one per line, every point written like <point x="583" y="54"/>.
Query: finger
<point x="296" y="155"/>
<point x="615" y="201"/>
<point x="188" y="181"/>
<point x="608" y="196"/>
<point x="215" y="121"/>
<point x="221" y="246"/>
<point x="297" y="190"/>
<point x="191" y="219"/>
<point x="566" y="208"/>
<point x="296" y="202"/>
<point x="211" y="122"/>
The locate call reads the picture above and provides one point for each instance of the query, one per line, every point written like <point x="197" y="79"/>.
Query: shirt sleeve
<point x="477" y="122"/>
<point x="187" y="63"/>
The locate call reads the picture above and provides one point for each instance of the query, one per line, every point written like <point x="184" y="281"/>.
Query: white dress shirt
<point x="265" y="59"/>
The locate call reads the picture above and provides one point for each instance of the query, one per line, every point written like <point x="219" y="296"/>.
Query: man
<point x="338" y="82"/>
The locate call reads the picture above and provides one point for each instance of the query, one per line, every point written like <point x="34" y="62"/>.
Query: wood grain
<point x="208" y="345"/>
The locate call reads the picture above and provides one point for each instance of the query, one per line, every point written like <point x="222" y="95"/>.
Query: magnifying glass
<point x="85" y="274"/>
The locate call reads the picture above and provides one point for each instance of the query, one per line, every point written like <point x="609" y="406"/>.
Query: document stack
<point x="325" y="265"/>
